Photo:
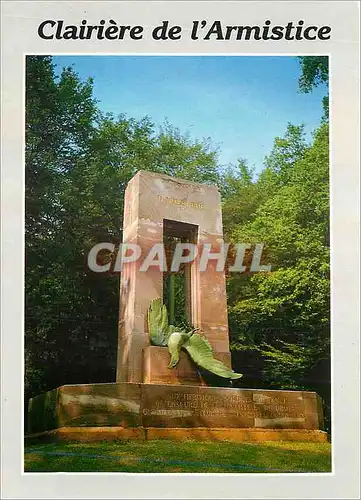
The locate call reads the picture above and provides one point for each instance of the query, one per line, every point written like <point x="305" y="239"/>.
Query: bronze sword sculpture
<point x="197" y="346"/>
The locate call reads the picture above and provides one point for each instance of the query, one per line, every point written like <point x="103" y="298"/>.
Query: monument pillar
<point x="150" y="200"/>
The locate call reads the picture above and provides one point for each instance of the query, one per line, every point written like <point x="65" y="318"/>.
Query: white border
<point x="19" y="37"/>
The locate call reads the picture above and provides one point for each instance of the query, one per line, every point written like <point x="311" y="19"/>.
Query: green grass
<point x="174" y="456"/>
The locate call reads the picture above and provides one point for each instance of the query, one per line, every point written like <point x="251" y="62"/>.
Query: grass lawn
<point x="179" y="456"/>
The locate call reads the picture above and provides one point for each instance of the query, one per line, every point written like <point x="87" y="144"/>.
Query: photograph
<point x="177" y="278"/>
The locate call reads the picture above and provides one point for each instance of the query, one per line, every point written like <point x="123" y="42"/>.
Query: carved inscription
<point x="181" y="404"/>
<point x="182" y="203"/>
<point x="277" y="408"/>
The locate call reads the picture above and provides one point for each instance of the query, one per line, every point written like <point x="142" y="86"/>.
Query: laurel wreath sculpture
<point x="197" y="346"/>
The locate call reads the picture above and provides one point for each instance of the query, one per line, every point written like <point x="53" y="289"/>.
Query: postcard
<point x="180" y="256"/>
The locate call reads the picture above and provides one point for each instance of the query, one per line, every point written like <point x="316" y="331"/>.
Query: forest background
<point x="78" y="162"/>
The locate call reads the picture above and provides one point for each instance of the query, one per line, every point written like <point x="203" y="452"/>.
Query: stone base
<point x="88" y="434"/>
<point x="156" y="371"/>
<point x="145" y="410"/>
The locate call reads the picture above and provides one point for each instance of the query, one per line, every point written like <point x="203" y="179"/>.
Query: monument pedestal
<point x="155" y="411"/>
<point x="156" y="371"/>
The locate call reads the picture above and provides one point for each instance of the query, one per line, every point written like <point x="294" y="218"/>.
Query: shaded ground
<point x="174" y="456"/>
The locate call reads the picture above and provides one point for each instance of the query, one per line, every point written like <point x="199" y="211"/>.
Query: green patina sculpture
<point x="197" y="346"/>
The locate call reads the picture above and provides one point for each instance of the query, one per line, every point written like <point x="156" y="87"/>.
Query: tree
<point x="280" y="321"/>
<point x="240" y="196"/>
<point x="59" y="122"/>
<point x="282" y="318"/>
<point x="78" y="164"/>
<point x="286" y="151"/>
<point x="314" y="70"/>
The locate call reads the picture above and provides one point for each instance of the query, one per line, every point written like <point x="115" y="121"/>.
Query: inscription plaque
<point x="182" y="203"/>
<point x="166" y="406"/>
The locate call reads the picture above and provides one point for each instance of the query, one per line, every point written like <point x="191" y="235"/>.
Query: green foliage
<point x="59" y="124"/>
<point x="78" y="163"/>
<point x="174" y="284"/>
<point x="280" y="320"/>
<point x="314" y="70"/>
<point x="284" y="315"/>
<point x="43" y="414"/>
<point x="241" y="196"/>
<point x="179" y="156"/>
<point x="286" y="151"/>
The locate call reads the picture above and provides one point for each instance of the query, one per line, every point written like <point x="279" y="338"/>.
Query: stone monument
<point x="155" y="204"/>
<point x="149" y="400"/>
